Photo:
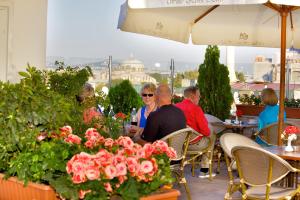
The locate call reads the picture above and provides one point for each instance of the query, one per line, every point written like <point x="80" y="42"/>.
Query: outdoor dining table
<point x="293" y="157"/>
<point x="237" y="128"/>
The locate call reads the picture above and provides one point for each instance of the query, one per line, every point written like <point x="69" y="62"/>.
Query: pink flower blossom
<point x="160" y="146"/>
<point x="93" y="135"/>
<point x="103" y="158"/>
<point x="109" y="142"/>
<point x="146" y="166"/>
<point x="148" y="149"/>
<point x="125" y="142"/>
<point x="110" y="172"/>
<point x="79" y="178"/>
<point x="82" y="193"/>
<point x="92" y="173"/>
<point x="121" y="169"/>
<point x="89" y="144"/>
<point x="122" y="179"/>
<point x="107" y="187"/>
<point x="73" y="139"/>
<point x="66" y="129"/>
<point x="171" y="153"/>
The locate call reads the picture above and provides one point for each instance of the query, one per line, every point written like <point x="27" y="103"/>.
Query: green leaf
<point x="24" y="74"/>
<point x="128" y="190"/>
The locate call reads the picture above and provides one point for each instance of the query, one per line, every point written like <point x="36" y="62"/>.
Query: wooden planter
<point x="249" y="109"/>
<point x="163" y="194"/>
<point x="253" y="110"/>
<point x="13" y="189"/>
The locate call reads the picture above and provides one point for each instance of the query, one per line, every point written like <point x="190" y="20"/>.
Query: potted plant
<point x="252" y="105"/>
<point x="37" y="152"/>
<point x="94" y="166"/>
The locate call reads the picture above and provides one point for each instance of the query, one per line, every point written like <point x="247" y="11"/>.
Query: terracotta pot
<point x="253" y="110"/>
<point x="13" y="189"/>
<point x="163" y="194"/>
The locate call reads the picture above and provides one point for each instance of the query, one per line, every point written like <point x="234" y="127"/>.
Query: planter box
<point x="13" y="189"/>
<point x="249" y="109"/>
<point x="253" y="110"/>
<point x="163" y="194"/>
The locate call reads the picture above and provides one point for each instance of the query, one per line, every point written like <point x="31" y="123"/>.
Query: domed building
<point x="131" y="69"/>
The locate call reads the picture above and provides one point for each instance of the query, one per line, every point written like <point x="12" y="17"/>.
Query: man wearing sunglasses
<point x="165" y="120"/>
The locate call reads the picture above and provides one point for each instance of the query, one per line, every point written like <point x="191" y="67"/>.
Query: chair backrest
<point x="258" y="167"/>
<point x="270" y="132"/>
<point x="211" y="119"/>
<point x="230" y="140"/>
<point x="179" y="141"/>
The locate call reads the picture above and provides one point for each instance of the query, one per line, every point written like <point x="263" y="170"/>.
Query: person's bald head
<point x="163" y="94"/>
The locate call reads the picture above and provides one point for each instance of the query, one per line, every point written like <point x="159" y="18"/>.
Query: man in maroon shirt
<point x="195" y="118"/>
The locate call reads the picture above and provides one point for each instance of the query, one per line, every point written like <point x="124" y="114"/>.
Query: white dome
<point x="132" y="63"/>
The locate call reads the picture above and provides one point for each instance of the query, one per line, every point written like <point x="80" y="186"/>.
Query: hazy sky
<point x="88" y="28"/>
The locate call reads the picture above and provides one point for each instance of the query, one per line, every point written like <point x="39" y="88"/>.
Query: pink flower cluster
<point x="93" y="138"/>
<point x="73" y="139"/>
<point x="116" y="159"/>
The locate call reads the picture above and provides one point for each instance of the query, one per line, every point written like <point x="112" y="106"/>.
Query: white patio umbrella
<point x="259" y="23"/>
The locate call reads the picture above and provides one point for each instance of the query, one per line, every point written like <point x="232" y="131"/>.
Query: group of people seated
<point x="159" y="117"/>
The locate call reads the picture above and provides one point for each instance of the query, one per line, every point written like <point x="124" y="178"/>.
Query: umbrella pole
<point x="283" y="15"/>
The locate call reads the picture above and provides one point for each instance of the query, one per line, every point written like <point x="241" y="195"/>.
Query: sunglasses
<point x="149" y="95"/>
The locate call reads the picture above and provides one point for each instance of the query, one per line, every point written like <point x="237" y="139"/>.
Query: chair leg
<point x="193" y="167"/>
<point x="183" y="181"/>
<point x="219" y="162"/>
<point x="187" y="190"/>
<point x="210" y="169"/>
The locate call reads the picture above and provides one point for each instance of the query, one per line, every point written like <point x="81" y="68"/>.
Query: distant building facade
<point x="268" y="69"/>
<point x="131" y="69"/>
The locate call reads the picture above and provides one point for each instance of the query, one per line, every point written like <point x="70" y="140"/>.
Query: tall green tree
<point x="123" y="97"/>
<point x="214" y="85"/>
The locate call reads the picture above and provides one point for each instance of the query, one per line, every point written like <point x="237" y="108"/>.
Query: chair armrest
<point x="195" y="133"/>
<point x="295" y="170"/>
<point x="256" y="133"/>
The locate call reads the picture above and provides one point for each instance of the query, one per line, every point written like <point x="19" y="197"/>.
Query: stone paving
<point x="204" y="189"/>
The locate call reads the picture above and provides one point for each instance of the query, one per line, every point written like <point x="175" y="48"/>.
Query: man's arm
<point x="202" y="125"/>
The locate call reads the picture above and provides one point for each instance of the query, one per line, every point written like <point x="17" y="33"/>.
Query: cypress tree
<point x="214" y="85"/>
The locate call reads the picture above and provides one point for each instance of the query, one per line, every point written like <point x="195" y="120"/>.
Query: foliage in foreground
<point x="94" y="167"/>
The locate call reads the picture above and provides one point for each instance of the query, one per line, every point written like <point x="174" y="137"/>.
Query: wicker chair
<point x="217" y="130"/>
<point x="228" y="141"/>
<point x="269" y="134"/>
<point x="193" y="152"/>
<point x="259" y="169"/>
<point x="179" y="140"/>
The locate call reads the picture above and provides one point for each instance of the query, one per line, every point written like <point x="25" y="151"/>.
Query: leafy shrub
<point x="67" y="80"/>
<point x="123" y="97"/>
<point x="26" y="109"/>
